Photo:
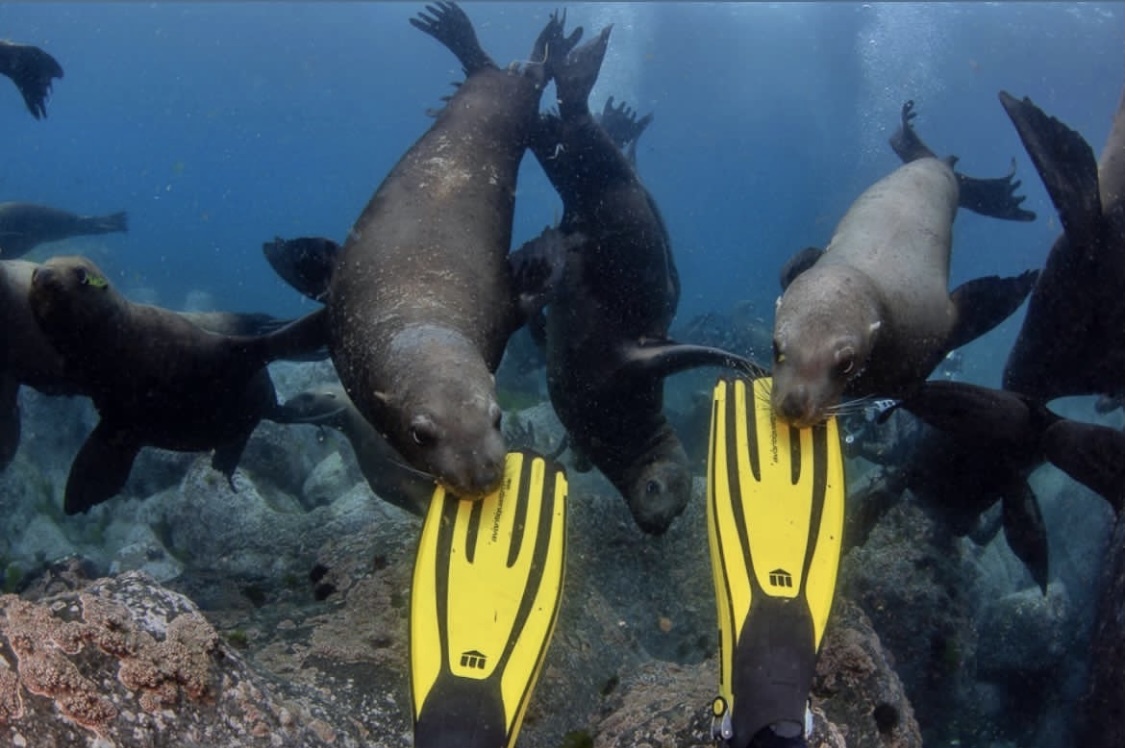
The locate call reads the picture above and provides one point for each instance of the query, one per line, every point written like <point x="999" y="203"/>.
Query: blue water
<point x="218" y="126"/>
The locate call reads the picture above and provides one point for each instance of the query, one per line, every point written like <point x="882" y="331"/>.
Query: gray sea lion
<point x="606" y="326"/>
<point x="422" y="301"/>
<point x="155" y="378"/>
<point x="32" y="70"/>
<point x="873" y="315"/>
<point x="1072" y="341"/>
<point x="387" y="474"/>
<point x="24" y="226"/>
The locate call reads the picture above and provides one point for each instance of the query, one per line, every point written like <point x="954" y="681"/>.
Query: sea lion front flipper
<point x="537" y="268"/>
<point x="1091" y="454"/>
<point x="1025" y="530"/>
<point x="225" y="459"/>
<point x="9" y="419"/>
<point x="802" y="260"/>
<point x="448" y="24"/>
<point x="1066" y="164"/>
<point x="305" y="263"/>
<point x="983" y="303"/>
<point x="993" y="197"/>
<point x="663" y="358"/>
<point x="100" y="468"/>
<point x="575" y="78"/>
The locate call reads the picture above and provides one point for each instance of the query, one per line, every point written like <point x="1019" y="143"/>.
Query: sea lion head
<point x="823" y="336"/>
<point x="442" y="413"/>
<point x="70" y="295"/>
<point x="658" y="487"/>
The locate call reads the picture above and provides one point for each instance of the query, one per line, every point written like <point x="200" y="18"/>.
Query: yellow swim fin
<point x="487" y="585"/>
<point x="775" y="517"/>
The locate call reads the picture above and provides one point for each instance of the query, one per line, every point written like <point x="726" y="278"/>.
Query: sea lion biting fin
<point x="422" y="302"/>
<point x="873" y="315"/>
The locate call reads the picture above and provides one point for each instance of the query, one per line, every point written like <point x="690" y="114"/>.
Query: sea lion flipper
<point x="32" y="70"/>
<point x="576" y="77"/>
<point x="1025" y="530"/>
<point x="296" y="340"/>
<point x="802" y="260"/>
<point x="448" y="24"/>
<point x="100" y="468"/>
<point x="226" y="457"/>
<point x="537" y="268"/>
<point x="983" y="303"/>
<point x="996" y="197"/>
<point x="905" y="142"/>
<point x="663" y="358"/>
<point x="9" y="419"/>
<point x="1065" y="162"/>
<point x="305" y="263"/>
<point x="623" y="126"/>
<point x="1091" y="454"/>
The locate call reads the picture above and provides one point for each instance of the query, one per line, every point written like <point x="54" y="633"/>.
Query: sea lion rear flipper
<point x="31" y="69"/>
<point x="575" y="78"/>
<point x="905" y="142"/>
<point x="9" y="419"/>
<point x="100" y="468"/>
<point x="1091" y="454"/>
<point x="295" y="340"/>
<point x="802" y="260"/>
<point x="1024" y="529"/>
<point x="983" y="303"/>
<point x="448" y="24"/>
<point x="1065" y="162"/>
<point x="623" y="127"/>
<point x="113" y="223"/>
<point x="993" y="197"/>
<point x="305" y="263"/>
<point x="663" y="358"/>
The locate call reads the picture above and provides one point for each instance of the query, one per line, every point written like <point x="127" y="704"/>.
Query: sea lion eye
<point x="423" y="431"/>
<point x="652" y="488"/>
<point x="82" y="276"/>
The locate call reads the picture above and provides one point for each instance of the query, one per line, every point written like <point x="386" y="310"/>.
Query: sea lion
<point x="998" y="439"/>
<point x="606" y="325"/>
<point x="422" y="301"/>
<point x="32" y="70"/>
<point x="1072" y="340"/>
<point x="873" y="315"/>
<point x="155" y="378"/>
<point x="24" y="226"/>
<point x="387" y="474"/>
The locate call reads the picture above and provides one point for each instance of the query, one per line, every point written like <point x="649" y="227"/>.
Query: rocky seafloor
<point x="275" y="613"/>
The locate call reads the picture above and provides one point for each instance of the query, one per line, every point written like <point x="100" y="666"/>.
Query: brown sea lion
<point x="606" y="327"/>
<point x="873" y="315"/>
<point x="24" y="226"/>
<point x="32" y="70"/>
<point x="156" y="379"/>
<point x="390" y="479"/>
<point x="1072" y="341"/>
<point x="422" y="302"/>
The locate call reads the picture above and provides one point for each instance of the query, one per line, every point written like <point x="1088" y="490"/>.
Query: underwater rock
<point x="1025" y="633"/>
<point x="127" y="663"/>
<point x="330" y="479"/>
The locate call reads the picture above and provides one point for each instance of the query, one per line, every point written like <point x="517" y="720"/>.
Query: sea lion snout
<point x="795" y="405"/>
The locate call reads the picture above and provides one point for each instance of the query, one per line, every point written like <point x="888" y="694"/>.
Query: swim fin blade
<point x="487" y="585"/>
<point x="775" y="519"/>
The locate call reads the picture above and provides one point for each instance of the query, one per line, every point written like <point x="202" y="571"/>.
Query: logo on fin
<point x="781" y="578"/>
<point x="474" y="659"/>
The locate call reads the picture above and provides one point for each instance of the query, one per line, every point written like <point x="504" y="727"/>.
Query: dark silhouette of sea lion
<point x="606" y="326"/>
<point x="155" y="378"/>
<point x="874" y="314"/>
<point x="423" y="301"/>
<point x="1072" y="341"/>
<point x="32" y="70"/>
<point x="24" y="226"/>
